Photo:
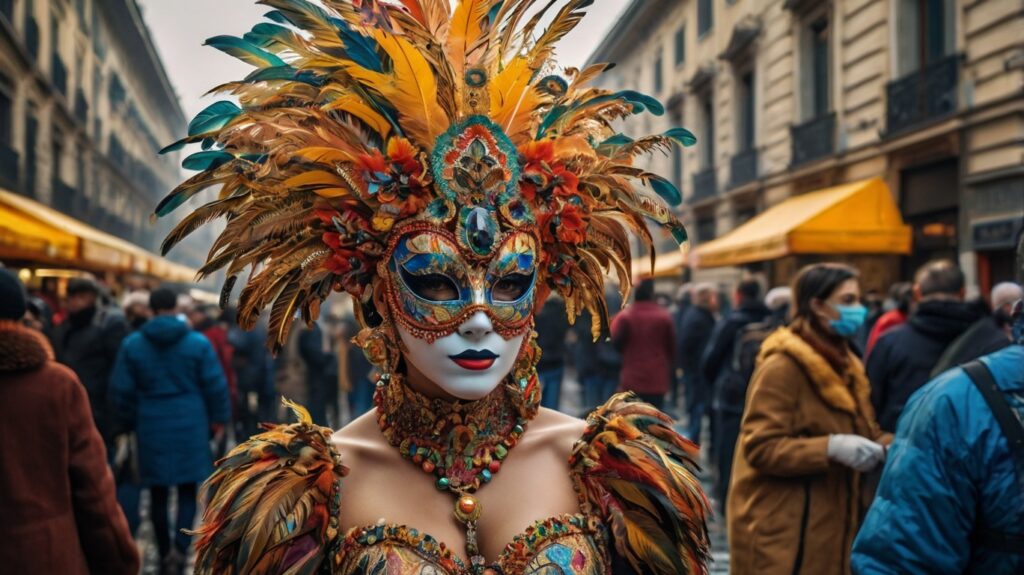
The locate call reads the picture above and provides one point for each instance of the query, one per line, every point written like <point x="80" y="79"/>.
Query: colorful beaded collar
<point x="462" y="444"/>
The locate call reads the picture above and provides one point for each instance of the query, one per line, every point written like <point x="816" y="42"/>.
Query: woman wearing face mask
<point x="422" y="161"/>
<point x="808" y="433"/>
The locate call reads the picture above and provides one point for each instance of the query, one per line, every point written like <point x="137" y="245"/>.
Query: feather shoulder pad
<point x="272" y="504"/>
<point x="638" y="475"/>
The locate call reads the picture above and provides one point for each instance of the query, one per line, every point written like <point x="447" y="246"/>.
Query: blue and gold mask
<point x="435" y="281"/>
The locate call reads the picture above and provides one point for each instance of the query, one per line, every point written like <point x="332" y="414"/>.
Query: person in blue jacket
<point x="951" y="498"/>
<point x="170" y="388"/>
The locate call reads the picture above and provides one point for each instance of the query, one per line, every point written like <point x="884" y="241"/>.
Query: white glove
<point x="856" y="452"/>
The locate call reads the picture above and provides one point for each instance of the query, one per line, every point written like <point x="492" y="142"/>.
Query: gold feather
<point x="410" y="87"/>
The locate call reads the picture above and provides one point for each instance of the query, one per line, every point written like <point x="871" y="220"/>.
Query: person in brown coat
<point x="60" y="513"/>
<point x="808" y="432"/>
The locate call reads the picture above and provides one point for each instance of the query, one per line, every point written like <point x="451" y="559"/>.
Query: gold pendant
<point x="467" y="508"/>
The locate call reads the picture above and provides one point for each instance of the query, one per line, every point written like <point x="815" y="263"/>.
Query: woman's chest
<point x="565" y="545"/>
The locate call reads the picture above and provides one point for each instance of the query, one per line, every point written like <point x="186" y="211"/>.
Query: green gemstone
<point x="518" y="430"/>
<point x="442" y="483"/>
<point x="500" y="451"/>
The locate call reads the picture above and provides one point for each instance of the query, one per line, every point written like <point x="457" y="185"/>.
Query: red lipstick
<point x="475" y="360"/>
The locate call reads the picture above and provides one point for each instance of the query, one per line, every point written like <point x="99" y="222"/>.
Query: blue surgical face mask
<point x="851" y="317"/>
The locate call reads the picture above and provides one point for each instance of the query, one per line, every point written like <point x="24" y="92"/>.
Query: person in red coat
<point x="644" y="334"/>
<point x="60" y="511"/>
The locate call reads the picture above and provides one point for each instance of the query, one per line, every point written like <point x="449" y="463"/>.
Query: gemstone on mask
<point x="481" y="230"/>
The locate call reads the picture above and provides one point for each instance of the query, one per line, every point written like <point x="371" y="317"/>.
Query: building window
<point x="6" y="110"/>
<point x="745" y="117"/>
<point x="707" y="148"/>
<point x="31" y="136"/>
<point x="659" y="79"/>
<point x="705" y="16"/>
<point x="707" y="228"/>
<point x="925" y="33"/>
<point x="680" y="45"/>
<point x="57" y="156"/>
<point x="815" y="78"/>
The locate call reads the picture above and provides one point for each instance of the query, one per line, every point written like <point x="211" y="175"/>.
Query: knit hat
<point x="12" y="296"/>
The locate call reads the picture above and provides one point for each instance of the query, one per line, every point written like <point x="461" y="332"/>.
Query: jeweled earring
<point x="380" y="347"/>
<point x="529" y="354"/>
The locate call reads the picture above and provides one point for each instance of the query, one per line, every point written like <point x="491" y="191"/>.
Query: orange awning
<point x="860" y="218"/>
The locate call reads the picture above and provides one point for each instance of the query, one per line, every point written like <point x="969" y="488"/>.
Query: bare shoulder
<point x="361" y="442"/>
<point x="553" y="430"/>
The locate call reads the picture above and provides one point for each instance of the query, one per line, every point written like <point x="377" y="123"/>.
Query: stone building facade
<point x="85" y="105"/>
<point x="792" y="96"/>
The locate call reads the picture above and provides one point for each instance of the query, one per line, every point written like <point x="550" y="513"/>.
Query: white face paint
<point x="468" y="364"/>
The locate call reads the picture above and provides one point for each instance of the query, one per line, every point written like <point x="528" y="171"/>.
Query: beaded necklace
<point x="462" y="444"/>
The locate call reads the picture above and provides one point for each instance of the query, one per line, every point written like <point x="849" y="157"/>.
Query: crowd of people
<point x="151" y="392"/>
<point x="801" y="397"/>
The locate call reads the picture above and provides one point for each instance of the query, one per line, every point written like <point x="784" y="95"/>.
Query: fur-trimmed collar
<point x="833" y="388"/>
<point x="21" y="348"/>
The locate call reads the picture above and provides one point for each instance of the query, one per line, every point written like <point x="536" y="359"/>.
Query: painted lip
<point x="475" y="360"/>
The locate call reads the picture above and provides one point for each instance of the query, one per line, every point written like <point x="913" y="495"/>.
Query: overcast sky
<point x="179" y="28"/>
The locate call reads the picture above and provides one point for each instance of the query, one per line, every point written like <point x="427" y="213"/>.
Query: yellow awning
<point x="30" y="229"/>
<point x="666" y="264"/>
<point x="860" y="218"/>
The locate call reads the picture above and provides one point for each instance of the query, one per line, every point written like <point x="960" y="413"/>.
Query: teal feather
<point x="359" y="48"/>
<point x="213" y="117"/>
<point x="176" y="146"/>
<point x="202" y="161"/>
<point x="266" y="34"/>
<point x="617" y="140"/>
<point x="666" y="189"/>
<point x="245" y="51"/>
<point x="682" y="136"/>
<point x="640" y="103"/>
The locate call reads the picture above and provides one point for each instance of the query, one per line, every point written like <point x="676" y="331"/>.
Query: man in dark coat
<point x="87" y="341"/>
<point x="60" y="514"/>
<point x="644" y="334"/>
<point x="903" y="358"/>
<point x="694" y="333"/>
<point x="169" y="386"/>
<point x="253" y="369"/>
<point x="718" y="371"/>
<point x="598" y="363"/>
<point x="952" y="493"/>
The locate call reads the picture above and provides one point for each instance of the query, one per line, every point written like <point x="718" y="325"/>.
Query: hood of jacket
<point x="22" y="348"/>
<point x="165" y="330"/>
<point x="832" y="387"/>
<point x="944" y="320"/>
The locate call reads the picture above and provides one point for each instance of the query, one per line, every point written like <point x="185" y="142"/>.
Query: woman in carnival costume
<point x="427" y="159"/>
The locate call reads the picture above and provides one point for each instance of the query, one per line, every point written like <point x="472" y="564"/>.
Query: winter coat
<point x="694" y="333"/>
<point x="719" y="351"/>
<point x="251" y="360"/>
<point x="88" y="342"/>
<point x="903" y="358"/>
<point x="949" y="472"/>
<point x="169" y="386"/>
<point x="60" y="512"/>
<point x="552" y="327"/>
<point x="889" y="320"/>
<point x="218" y="337"/>
<point x="643" y="333"/>
<point x="790" y="509"/>
<point x="984" y="337"/>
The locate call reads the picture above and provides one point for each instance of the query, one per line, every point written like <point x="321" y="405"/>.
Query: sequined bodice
<point x="564" y="545"/>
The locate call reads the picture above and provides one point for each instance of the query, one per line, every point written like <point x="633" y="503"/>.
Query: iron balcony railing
<point x="924" y="95"/>
<point x="705" y="185"/>
<point x="743" y="168"/>
<point x="8" y="167"/>
<point x="813" y="139"/>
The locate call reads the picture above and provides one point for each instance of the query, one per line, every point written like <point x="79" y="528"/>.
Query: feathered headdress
<point x="363" y="114"/>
